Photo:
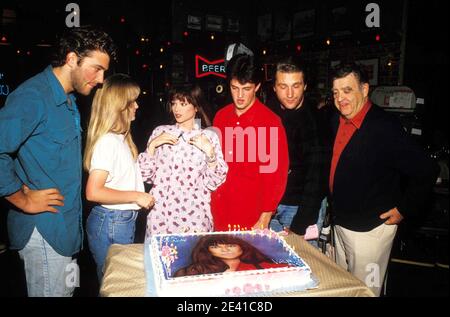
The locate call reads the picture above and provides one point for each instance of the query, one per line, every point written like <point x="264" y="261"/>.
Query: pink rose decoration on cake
<point x="248" y="289"/>
<point x="165" y="251"/>
<point x="237" y="291"/>
<point x="168" y="255"/>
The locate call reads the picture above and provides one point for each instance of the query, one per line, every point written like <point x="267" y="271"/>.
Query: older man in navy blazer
<point x="378" y="176"/>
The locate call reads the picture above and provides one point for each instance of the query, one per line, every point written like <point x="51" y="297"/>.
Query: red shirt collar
<point x="359" y="118"/>
<point x="250" y="114"/>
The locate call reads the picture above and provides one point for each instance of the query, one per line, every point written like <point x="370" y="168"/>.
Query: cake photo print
<point x="246" y="263"/>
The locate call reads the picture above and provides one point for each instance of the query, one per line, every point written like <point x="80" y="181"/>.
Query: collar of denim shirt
<point x="59" y="95"/>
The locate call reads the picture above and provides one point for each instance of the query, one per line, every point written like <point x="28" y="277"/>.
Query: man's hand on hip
<point x="392" y="217"/>
<point x="36" y="201"/>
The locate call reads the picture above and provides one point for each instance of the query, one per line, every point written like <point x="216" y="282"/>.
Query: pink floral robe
<point x="182" y="183"/>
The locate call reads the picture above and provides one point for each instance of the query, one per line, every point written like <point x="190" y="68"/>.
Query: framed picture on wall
<point x="340" y="21"/>
<point x="371" y="68"/>
<point x="304" y="23"/>
<point x="214" y="23"/>
<point x="194" y="22"/>
<point x="265" y="27"/>
<point x="233" y="25"/>
<point x="283" y="26"/>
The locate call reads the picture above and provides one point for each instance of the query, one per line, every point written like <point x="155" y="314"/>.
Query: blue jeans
<point x="322" y="214"/>
<point x="285" y="214"/>
<point x="48" y="273"/>
<point x="283" y="217"/>
<point x="105" y="227"/>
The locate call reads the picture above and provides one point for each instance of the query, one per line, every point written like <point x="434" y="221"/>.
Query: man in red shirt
<point x="254" y="145"/>
<point x="378" y="176"/>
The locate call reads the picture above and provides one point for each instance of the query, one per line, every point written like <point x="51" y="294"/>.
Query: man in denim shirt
<point x="40" y="160"/>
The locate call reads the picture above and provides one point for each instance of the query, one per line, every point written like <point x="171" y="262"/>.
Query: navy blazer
<point x="382" y="167"/>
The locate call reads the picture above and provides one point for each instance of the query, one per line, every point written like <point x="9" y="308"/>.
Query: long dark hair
<point x="203" y="262"/>
<point x="194" y="95"/>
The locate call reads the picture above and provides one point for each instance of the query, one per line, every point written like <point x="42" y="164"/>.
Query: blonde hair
<point x="111" y="112"/>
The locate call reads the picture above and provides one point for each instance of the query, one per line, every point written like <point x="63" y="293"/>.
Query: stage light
<point x="161" y="66"/>
<point x="122" y="20"/>
<point x="328" y="42"/>
<point x="264" y="52"/>
<point x="161" y="49"/>
<point x="377" y="38"/>
<point x="4" y="39"/>
<point x="298" y="48"/>
<point x="186" y="33"/>
<point x="212" y="37"/>
<point x="137" y="52"/>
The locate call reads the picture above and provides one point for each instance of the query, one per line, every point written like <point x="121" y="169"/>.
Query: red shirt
<point x="345" y="132"/>
<point x="255" y="181"/>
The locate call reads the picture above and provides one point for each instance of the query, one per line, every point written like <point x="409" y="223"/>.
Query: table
<point x="125" y="276"/>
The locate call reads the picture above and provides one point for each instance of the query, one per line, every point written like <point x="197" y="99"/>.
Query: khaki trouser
<point x="365" y="254"/>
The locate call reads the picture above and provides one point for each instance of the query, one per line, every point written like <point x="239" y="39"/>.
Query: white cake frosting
<point x="169" y="253"/>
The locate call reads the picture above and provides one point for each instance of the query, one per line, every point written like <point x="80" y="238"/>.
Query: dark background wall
<point x="158" y="48"/>
<point x="155" y="48"/>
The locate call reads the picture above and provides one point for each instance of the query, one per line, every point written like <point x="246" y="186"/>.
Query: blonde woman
<point x="115" y="181"/>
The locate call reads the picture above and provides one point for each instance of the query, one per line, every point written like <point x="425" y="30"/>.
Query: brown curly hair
<point x="82" y="41"/>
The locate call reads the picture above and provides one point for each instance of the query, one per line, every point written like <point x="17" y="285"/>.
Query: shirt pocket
<point x="66" y="149"/>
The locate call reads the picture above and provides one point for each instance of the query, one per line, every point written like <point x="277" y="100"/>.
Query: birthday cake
<point x="245" y="263"/>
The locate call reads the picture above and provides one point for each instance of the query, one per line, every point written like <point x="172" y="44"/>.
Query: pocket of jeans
<point x="125" y="216"/>
<point x="95" y="222"/>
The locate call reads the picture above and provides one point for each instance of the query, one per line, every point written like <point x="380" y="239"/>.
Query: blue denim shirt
<point x="40" y="146"/>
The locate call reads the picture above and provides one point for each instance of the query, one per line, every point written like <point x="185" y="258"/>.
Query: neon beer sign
<point x="204" y="67"/>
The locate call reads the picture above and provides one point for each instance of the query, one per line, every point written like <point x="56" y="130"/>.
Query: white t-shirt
<point x="112" y="154"/>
